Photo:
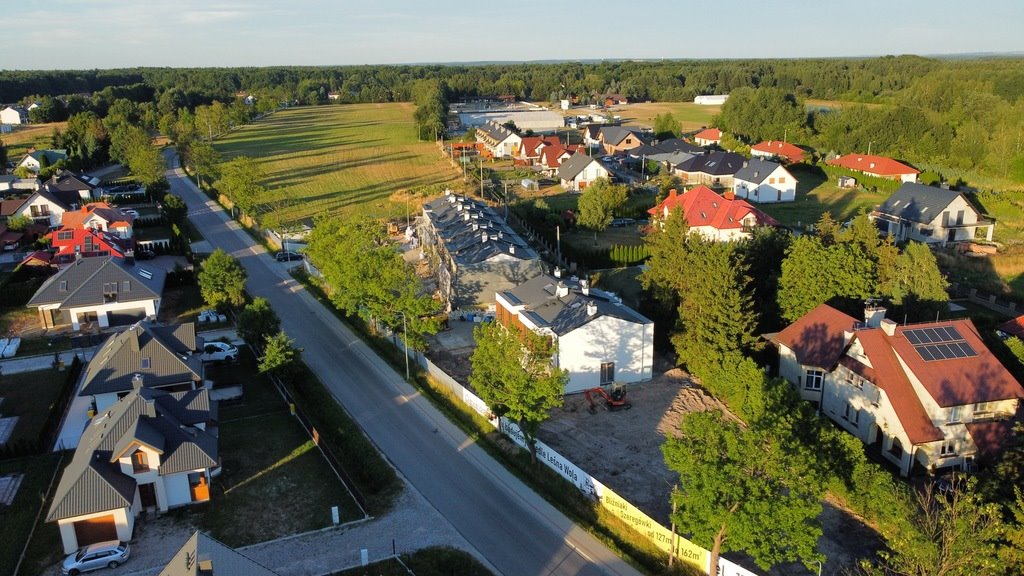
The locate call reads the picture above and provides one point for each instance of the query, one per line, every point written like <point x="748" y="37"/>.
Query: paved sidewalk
<point x="42" y="361"/>
<point x="413" y="524"/>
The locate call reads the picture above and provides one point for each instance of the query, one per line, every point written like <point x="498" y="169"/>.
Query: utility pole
<point x="405" y="339"/>
<point x="481" y="178"/>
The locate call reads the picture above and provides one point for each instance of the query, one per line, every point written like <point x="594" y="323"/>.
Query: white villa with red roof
<point x="715" y="217"/>
<point x="878" y="166"/>
<point x="790" y="153"/>
<point x="925" y="397"/>
<point x="708" y="137"/>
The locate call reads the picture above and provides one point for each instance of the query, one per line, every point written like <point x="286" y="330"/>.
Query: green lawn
<point x="259" y="395"/>
<point x="31" y="396"/>
<point x="691" y="116"/>
<point x="275" y="483"/>
<point x="815" y="195"/>
<point x="340" y="159"/>
<point x="16" y="522"/>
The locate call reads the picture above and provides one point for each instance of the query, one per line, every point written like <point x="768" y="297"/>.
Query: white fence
<point x="618" y="506"/>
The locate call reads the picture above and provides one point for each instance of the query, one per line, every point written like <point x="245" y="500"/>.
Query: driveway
<point x="503" y="520"/>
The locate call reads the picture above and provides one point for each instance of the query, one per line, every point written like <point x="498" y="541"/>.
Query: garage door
<point x="95" y="530"/>
<point x="126" y="317"/>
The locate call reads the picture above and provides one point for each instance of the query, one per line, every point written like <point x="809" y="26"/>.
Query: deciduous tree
<point x="280" y="356"/>
<point x="241" y="181"/>
<point x="257" y="321"/>
<point x="598" y="204"/>
<point x="514" y="375"/>
<point x="222" y="280"/>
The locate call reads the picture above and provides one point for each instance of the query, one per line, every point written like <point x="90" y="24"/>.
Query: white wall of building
<point x="630" y="345"/>
<point x="151" y="307"/>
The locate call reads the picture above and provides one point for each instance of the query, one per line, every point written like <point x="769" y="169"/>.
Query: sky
<point x="82" y="34"/>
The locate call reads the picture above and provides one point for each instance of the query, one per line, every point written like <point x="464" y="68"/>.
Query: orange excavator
<point x="614" y="400"/>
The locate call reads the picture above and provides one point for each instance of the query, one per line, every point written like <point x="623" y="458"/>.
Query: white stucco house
<point x="151" y="450"/>
<point x="104" y="289"/>
<point x="715" y="217"/>
<point x="499" y="140"/>
<point x="580" y="171"/>
<point x="600" y="340"/>
<point x="925" y="397"/>
<point x="930" y="215"/>
<point x="764" y="181"/>
<point x="14" y="115"/>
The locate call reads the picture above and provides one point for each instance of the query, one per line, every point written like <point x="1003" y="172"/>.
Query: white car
<point x="95" y="556"/>
<point x="219" y="352"/>
<point x="131" y="212"/>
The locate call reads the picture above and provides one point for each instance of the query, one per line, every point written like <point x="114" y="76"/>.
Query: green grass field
<point x="691" y="116"/>
<point x="340" y="159"/>
<point x="815" y="195"/>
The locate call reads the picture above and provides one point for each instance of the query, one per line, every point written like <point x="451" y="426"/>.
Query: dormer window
<point x="140" y="462"/>
<point x="146" y="363"/>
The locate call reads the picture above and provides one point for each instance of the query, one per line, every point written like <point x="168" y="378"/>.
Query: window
<point x="63" y="286"/>
<point x="126" y="286"/>
<point x="954" y="415"/>
<point x="66" y="235"/>
<point x="607" y="372"/>
<point x="782" y="180"/>
<point x="139" y="462"/>
<point x="983" y="408"/>
<point x="896" y="450"/>
<point x="813" y="380"/>
<point x="947" y="449"/>
<point x="771" y="180"/>
<point x="146" y="363"/>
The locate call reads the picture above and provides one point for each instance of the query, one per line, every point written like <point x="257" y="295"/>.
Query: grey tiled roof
<point x="455" y="228"/>
<point x="714" y="163"/>
<point x="756" y="170"/>
<point x="565" y="314"/>
<point x="615" y="134"/>
<point x="123" y="355"/>
<point x="917" y="202"/>
<point x="93" y="481"/>
<point x="201" y="549"/>
<point x="82" y="283"/>
<point x="575" y="164"/>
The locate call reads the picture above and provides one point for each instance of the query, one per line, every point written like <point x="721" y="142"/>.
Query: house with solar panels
<point x="926" y="397"/>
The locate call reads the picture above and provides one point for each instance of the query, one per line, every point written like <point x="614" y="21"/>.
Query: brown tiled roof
<point x="1013" y="327"/>
<point x="959" y="381"/>
<point x="990" y="437"/>
<point x="888" y="375"/>
<point x="817" y="337"/>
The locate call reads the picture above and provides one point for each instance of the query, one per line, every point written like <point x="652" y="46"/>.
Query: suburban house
<point x="878" y="166"/>
<point x="35" y="159"/>
<point x="708" y="137"/>
<point x="530" y="148"/>
<point x="65" y="181"/>
<point x="618" y="139"/>
<point x="162" y="355"/>
<point x="100" y="216"/>
<point x="600" y="340"/>
<point x="202" y="555"/>
<point x="925" y="397"/>
<point x="62" y="193"/>
<point x="74" y="243"/>
<point x="1013" y="328"/>
<point x="10" y="239"/>
<point x="784" y="151"/>
<point x="715" y="169"/>
<point x="930" y="215"/>
<point x="592" y="134"/>
<point x="152" y="450"/>
<point x="499" y="140"/>
<point x="711" y="215"/>
<point x="14" y="115"/>
<point x="11" y="184"/>
<point x="667" y="152"/>
<point x="551" y="157"/>
<point x="615" y="100"/>
<point x="104" y="290"/>
<point x="579" y="171"/>
<point x="764" y="181"/>
<point x="474" y="251"/>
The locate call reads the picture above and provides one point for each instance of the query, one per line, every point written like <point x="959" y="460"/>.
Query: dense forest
<point x="957" y="116"/>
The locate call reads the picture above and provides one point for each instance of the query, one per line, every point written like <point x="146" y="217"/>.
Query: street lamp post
<point x="405" y="341"/>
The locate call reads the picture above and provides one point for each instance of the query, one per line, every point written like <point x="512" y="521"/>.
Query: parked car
<point x="219" y="352"/>
<point x="620" y="222"/>
<point x="131" y="212"/>
<point x="110" y="554"/>
<point x="287" y="256"/>
<point x="211" y="316"/>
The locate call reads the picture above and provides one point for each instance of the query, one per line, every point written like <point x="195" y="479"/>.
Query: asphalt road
<point x="514" y="529"/>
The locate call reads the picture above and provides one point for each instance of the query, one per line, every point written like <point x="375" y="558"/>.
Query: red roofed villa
<point x="713" y="216"/>
<point x="708" y="137"/>
<point x="790" y="153"/>
<point x="878" y="166"/>
<point x="925" y="397"/>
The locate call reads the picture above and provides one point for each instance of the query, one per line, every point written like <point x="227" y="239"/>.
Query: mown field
<point x="340" y="159"/>
<point x="691" y="116"/>
<point x="26" y="136"/>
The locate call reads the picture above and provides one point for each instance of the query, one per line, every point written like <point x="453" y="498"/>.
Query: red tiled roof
<point x="40" y="256"/>
<point x="959" y="381"/>
<point x="887" y="374"/>
<point x="817" y="337"/>
<point x="9" y="207"/>
<point x="708" y="134"/>
<point x="530" y="144"/>
<point x="1013" y="327"/>
<point x="114" y="217"/>
<point x="550" y="155"/>
<point x="790" y="152"/>
<point x="873" y="165"/>
<point x="990" y="437"/>
<point x="702" y="206"/>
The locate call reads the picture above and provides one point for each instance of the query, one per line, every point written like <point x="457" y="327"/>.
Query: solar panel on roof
<point x="967" y="350"/>
<point x="912" y="337"/>
<point x="934" y="335"/>
<point x="953" y="333"/>
<point x="923" y="351"/>
<point x="948" y="351"/>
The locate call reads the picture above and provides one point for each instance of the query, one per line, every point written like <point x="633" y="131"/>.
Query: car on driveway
<point x="131" y="212"/>
<point x="287" y="256"/>
<point x="110" y="554"/>
<point x="620" y="222"/>
<point x="219" y="352"/>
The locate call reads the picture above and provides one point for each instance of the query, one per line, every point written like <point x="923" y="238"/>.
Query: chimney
<point x="585" y="287"/>
<point x="558" y="272"/>
<point x="562" y="290"/>
<point x="757" y="173"/>
<point x="483" y="236"/>
<point x="873" y="315"/>
<point x="729" y="195"/>
<point x="672" y="193"/>
<point x="889" y="327"/>
<point x="137" y="382"/>
<point x="591" y="308"/>
<point x="511" y="248"/>
<point x="205" y="564"/>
